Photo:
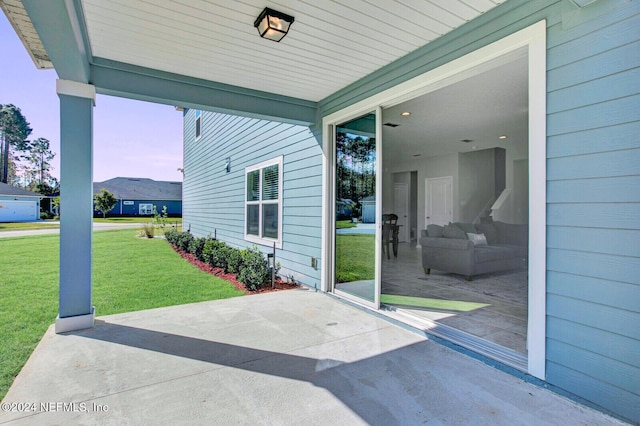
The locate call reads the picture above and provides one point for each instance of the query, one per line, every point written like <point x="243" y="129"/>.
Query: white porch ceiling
<point x="331" y="44"/>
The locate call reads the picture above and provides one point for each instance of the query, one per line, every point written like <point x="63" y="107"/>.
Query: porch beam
<point x="135" y="82"/>
<point x="65" y="42"/>
<point x="76" y="204"/>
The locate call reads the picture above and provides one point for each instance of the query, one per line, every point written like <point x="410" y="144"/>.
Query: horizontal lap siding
<point x="593" y="211"/>
<point x="214" y="199"/>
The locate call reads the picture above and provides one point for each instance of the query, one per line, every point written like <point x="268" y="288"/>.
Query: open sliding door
<point x="357" y="209"/>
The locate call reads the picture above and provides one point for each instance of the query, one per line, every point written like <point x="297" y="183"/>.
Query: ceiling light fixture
<point x="405" y="114"/>
<point x="502" y="137"/>
<point x="273" y="25"/>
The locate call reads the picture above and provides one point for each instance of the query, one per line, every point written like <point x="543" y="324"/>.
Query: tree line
<point x="355" y="167"/>
<point x="24" y="163"/>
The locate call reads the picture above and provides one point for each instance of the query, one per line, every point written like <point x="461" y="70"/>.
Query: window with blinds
<point x="263" y="202"/>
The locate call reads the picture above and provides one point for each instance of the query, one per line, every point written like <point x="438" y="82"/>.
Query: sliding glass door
<point x="357" y="210"/>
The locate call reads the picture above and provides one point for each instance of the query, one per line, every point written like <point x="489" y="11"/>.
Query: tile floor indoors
<point x="498" y="302"/>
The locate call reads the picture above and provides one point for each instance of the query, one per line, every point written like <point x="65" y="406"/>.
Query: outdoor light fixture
<point x="273" y="25"/>
<point x="227" y="164"/>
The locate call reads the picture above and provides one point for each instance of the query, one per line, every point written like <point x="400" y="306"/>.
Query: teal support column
<point x="76" y="311"/>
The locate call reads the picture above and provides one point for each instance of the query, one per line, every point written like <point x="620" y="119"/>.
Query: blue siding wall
<point x="214" y="199"/>
<point x="173" y="207"/>
<point x="593" y="213"/>
<point x="593" y="182"/>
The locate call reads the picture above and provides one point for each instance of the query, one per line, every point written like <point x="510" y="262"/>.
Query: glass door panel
<point x="356" y="210"/>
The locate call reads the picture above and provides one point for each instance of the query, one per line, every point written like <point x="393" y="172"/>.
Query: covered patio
<point x="292" y="357"/>
<point x="205" y="55"/>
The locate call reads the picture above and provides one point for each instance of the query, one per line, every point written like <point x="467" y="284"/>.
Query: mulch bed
<point x="279" y="285"/>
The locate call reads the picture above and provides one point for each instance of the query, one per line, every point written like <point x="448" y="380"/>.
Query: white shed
<point x="18" y="205"/>
<point x="368" y="209"/>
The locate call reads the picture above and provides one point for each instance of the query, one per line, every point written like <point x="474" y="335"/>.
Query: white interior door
<point x="438" y="200"/>
<point x="401" y="208"/>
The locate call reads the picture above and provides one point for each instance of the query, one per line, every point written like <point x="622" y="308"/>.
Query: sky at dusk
<point x="130" y="138"/>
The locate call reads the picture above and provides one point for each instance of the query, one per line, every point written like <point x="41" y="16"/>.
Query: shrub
<point x="255" y="271"/>
<point x="213" y="253"/>
<point x="234" y="260"/>
<point x="196" y="248"/>
<point x="172" y="236"/>
<point x="46" y="215"/>
<point x="183" y="241"/>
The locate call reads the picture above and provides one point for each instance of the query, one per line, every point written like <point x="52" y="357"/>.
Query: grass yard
<point x="129" y="274"/>
<point x="355" y="257"/>
<point x="53" y="224"/>
<point x="24" y="226"/>
<point x="138" y="219"/>
<point x="342" y="224"/>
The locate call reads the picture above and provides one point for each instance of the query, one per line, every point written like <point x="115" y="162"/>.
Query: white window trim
<point x="198" y="118"/>
<point x="533" y="40"/>
<point x="258" y="239"/>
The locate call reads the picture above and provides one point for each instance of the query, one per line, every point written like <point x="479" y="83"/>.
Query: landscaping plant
<point x="250" y="265"/>
<point x="255" y="272"/>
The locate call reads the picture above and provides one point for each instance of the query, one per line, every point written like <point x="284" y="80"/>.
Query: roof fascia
<point x="61" y="32"/>
<point x="135" y="82"/>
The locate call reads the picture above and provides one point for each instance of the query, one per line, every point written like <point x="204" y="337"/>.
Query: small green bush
<point x="196" y="248"/>
<point x="183" y="241"/>
<point x="255" y="272"/>
<point x="171" y="236"/>
<point x="213" y="253"/>
<point x="46" y="215"/>
<point x="234" y="260"/>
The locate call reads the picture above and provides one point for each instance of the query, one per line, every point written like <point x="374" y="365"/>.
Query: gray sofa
<point x="468" y="249"/>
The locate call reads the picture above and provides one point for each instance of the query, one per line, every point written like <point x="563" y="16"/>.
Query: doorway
<point x="357" y="207"/>
<point x="470" y="157"/>
<point x="438" y="200"/>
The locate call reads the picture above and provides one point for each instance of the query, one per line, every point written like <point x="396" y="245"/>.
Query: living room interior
<point x="455" y="161"/>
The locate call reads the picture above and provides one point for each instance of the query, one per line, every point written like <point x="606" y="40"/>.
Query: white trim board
<point x="530" y="42"/>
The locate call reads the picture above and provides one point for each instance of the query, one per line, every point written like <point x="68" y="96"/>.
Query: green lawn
<point x="52" y="224"/>
<point x="23" y="226"/>
<point x="138" y="219"/>
<point x="129" y="274"/>
<point x="342" y="224"/>
<point x="355" y="257"/>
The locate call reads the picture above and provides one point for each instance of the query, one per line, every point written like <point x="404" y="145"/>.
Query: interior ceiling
<point x="480" y="108"/>
<point x="331" y="44"/>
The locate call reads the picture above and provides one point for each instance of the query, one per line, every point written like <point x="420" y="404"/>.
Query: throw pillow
<point x="477" y="239"/>
<point x="434" y="231"/>
<point x="452" y="231"/>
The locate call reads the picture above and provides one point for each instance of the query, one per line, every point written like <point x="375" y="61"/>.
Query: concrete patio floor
<point x="292" y="357"/>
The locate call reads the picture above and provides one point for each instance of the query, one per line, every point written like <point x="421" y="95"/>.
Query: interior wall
<point x="464" y="168"/>
<point x="424" y="168"/>
<point x="479" y="171"/>
<point x="413" y="206"/>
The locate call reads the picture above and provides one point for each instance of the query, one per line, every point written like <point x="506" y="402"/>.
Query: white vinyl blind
<point x="263" y="202"/>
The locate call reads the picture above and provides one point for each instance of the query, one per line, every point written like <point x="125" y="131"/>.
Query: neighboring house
<point x="18" y="205"/>
<point x="137" y="196"/>
<point x="523" y="112"/>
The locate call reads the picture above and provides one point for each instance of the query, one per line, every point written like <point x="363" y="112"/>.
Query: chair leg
<point x="427" y="271"/>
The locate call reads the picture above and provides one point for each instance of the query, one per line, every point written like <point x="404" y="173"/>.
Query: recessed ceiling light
<point x="502" y="137"/>
<point x="405" y="114"/>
